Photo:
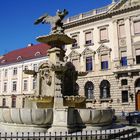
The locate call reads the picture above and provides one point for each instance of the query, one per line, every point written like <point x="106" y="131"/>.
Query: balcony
<point x="127" y="69"/>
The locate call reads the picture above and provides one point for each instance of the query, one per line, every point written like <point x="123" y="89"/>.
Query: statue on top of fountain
<point x="55" y="21"/>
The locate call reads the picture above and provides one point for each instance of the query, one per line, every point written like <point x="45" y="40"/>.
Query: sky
<point x="17" y="28"/>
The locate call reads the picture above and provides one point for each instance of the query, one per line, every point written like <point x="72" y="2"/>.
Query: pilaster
<point x="116" y="44"/>
<point x="128" y="42"/>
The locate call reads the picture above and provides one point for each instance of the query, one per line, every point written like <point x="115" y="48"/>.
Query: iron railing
<point x="112" y="134"/>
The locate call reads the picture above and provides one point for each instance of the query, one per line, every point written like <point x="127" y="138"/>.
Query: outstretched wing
<point x="40" y="19"/>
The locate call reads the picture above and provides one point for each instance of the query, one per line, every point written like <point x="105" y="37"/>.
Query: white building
<point x="14" y="84"/>
<point x="108" y="48"/>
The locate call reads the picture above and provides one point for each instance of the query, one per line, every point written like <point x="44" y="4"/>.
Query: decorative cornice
<point x="101" y="16"/>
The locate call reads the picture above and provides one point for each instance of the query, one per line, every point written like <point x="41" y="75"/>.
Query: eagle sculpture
<point x="55" y="21"/>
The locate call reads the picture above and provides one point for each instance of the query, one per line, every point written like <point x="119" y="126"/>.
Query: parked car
<point x="133" y="117"/>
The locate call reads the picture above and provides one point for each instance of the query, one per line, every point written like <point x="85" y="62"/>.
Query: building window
<point x="122" y="31"/>
<point x="14" y="86"/>
<point x="13" y="101"/>
<point x="26" y="67"/>
<point x="104" y="62"/>
<point x="5" y="72"/>
<point x="15" y="71"/>
<point x="35" y="67"/>
<point x="89" y="66"/>
<point x="138" y="56"/>
<point x="23" y="102"/>
<point x="75" y="45"/>
<point x="34" y="83"/>
<point x="137" y="27"/>
<point x="123" y="59"/>
<point x="5" y="87"/>
<point x="104" y="65"/>
<point x="88" y="38"/>
<point x="89" y="88"/>
<point x="124" y="96"/>
<point x="104" y="89"/>
<point x="137" y="83"/>
<point x="124" y="82"/>
<point x="25" y="85"/>
<point x="103" y="34"/>
<point x="4" y="102"/>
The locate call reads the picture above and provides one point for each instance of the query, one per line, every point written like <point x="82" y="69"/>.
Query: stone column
<point x="128" y="42"/>
<point x="116" y="45"/>
<point x="55" y="55"/>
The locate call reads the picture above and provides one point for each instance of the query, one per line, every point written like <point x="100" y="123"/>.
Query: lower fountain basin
<point x="95" y="116"/>
<point x="26" y="116"/>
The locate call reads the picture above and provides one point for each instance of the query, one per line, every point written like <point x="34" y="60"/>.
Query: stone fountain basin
<point x="26" y="116"/>
<point x="95" y="116"/>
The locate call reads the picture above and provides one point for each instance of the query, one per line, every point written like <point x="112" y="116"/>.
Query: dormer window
<point x="37" y="54"/>
<point x="19" y="58"/>
<point x="3" y="61"/>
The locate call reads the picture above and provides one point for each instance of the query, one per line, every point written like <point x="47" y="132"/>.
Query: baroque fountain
<point x="55" y="106"/>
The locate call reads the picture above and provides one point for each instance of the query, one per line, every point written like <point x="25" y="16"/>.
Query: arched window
<point x="104" y="89"/>
<point x="76" y="89"/>
<point x="89" y="87"/>
<point x="13" y="101"/>
<point x="137" y="84"/>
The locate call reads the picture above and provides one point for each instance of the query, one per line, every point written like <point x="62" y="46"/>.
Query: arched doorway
<point x="137" y="86"/>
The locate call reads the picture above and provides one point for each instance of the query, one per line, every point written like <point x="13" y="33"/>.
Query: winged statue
<point x="55" y="21"/>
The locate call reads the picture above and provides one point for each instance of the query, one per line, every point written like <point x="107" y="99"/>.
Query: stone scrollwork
<point x="45" y="73"/>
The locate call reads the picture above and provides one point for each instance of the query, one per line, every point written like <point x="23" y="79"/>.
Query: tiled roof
<point x="27" y="53"/>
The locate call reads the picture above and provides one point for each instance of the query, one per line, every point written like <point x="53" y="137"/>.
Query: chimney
<point x="30" y="44"/>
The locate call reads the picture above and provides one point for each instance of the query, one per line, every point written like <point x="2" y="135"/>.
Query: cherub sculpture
<point x="55" y="21"/>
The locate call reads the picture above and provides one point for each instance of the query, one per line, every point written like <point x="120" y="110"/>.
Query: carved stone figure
<point x="45" y="78"/>
<point x="55" y="21"/>
<point x="69" y="80"/>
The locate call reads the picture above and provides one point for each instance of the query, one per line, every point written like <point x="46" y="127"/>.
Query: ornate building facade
<point x="14" y="84"/>
<point x="108" y="48"/>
